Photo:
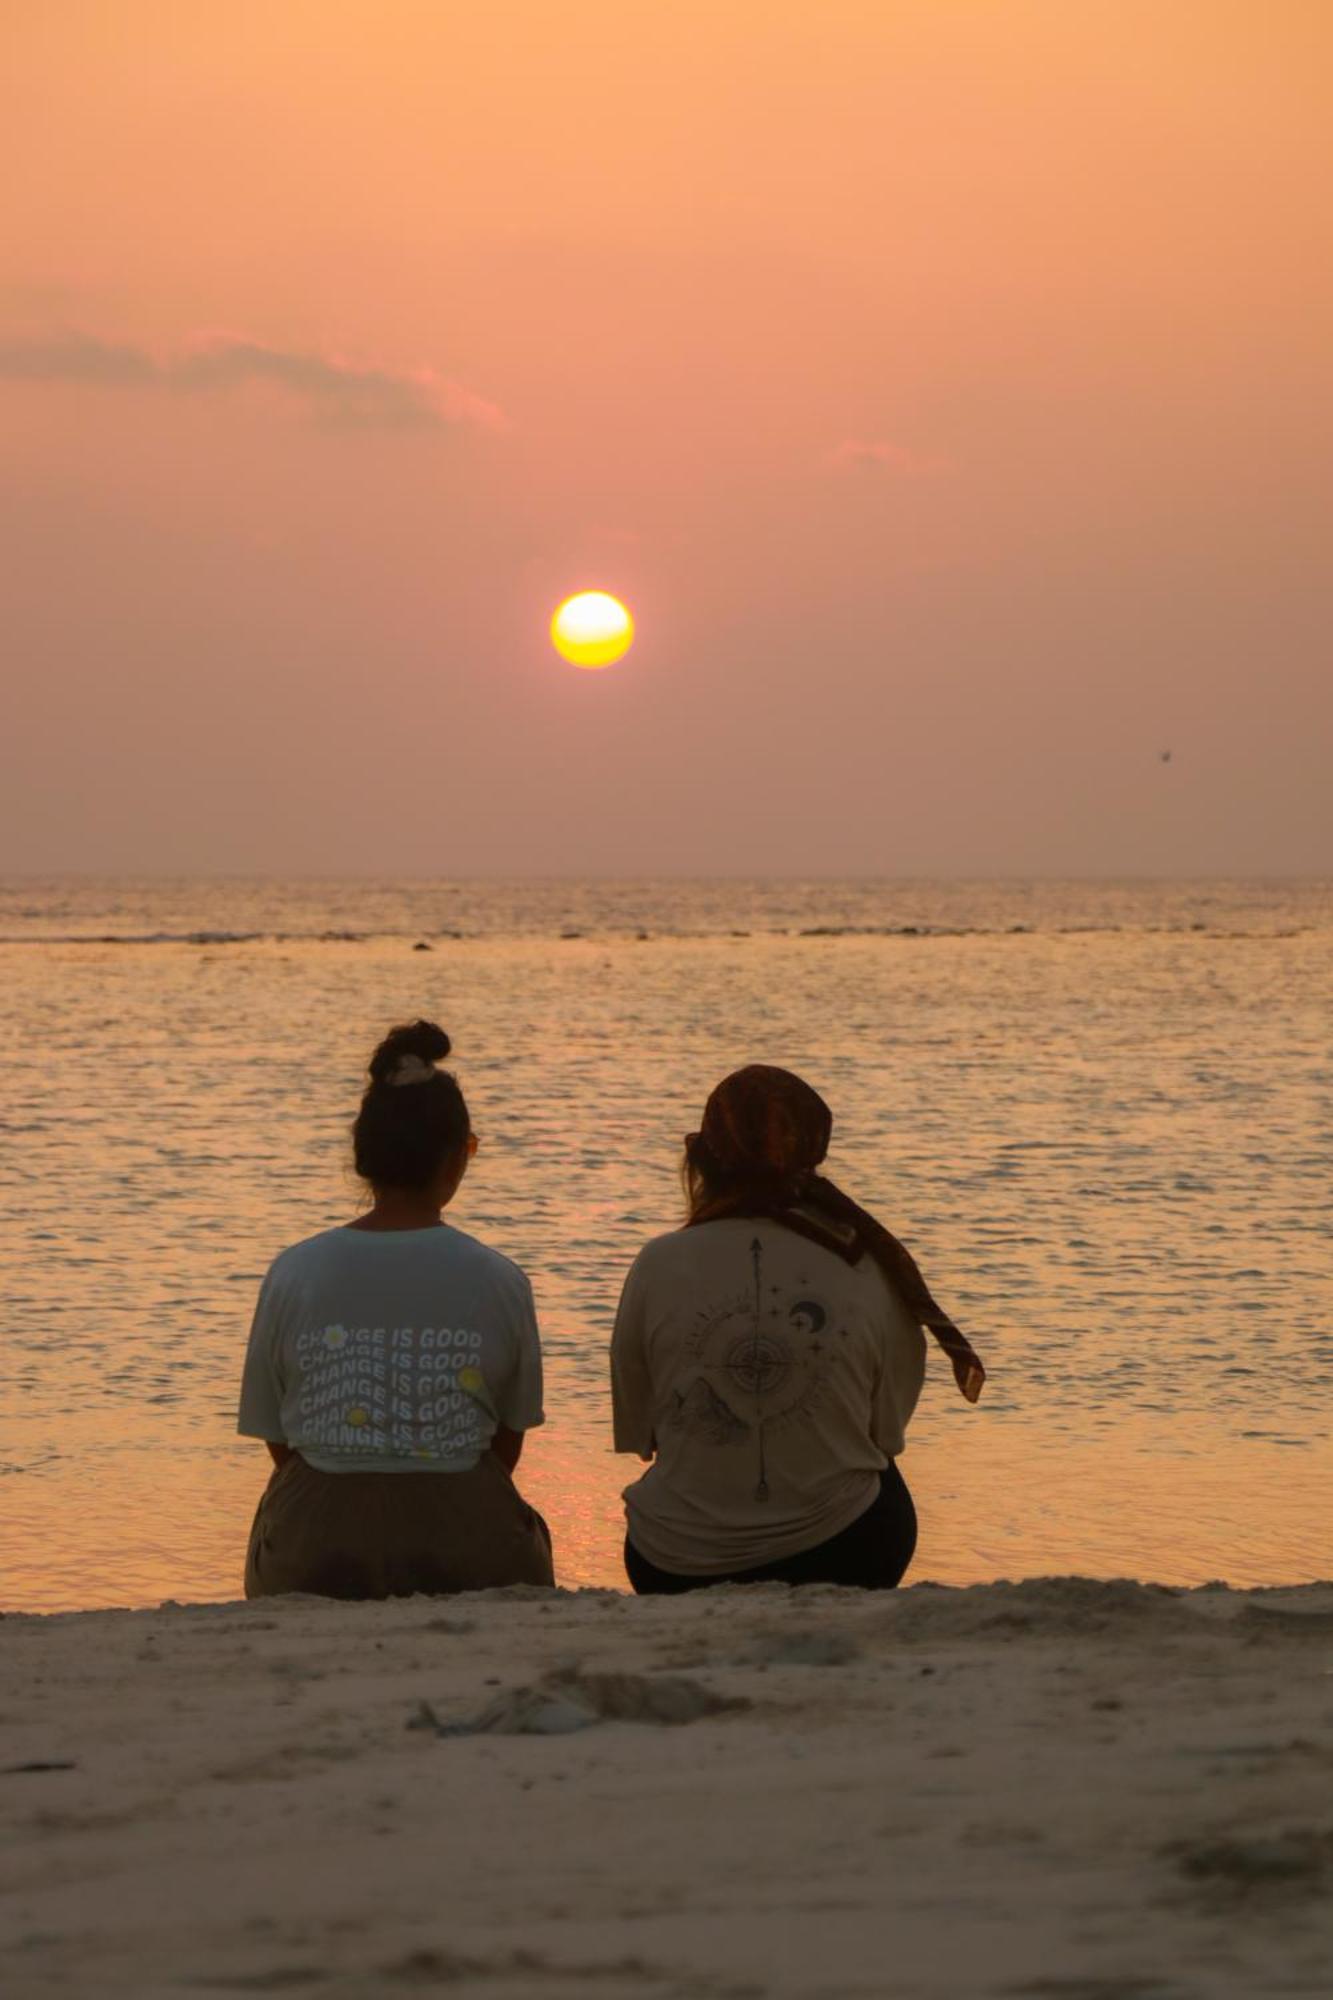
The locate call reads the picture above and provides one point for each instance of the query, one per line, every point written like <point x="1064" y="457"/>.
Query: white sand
<point x="1058" y="1789"/>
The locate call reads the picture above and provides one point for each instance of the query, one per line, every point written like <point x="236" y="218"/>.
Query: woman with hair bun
<point x="393" y="1367"/>
<point x="766" y="1358"/>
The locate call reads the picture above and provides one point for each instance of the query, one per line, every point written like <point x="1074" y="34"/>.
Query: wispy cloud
<point x="338" y="390"/>
<point x="881" y="454"/>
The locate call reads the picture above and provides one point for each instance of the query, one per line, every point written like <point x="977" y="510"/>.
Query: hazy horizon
<point x="947" y="391"/>
<point x="537" y="875"/>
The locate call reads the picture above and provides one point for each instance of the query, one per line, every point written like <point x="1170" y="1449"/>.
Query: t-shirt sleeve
<point x="260" y="1414"/>
<point x="519" y="1405"/>
<point x="631" y="1383"/>
<point x="902" y="1371"/>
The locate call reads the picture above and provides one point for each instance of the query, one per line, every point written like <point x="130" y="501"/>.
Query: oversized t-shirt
<point x="773" y="1380"/>
<point x="396" y="1350"/>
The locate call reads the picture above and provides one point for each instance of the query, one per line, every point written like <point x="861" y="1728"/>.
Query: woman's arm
<point x="631" y="1382"/>
<point x="262" y="1385"/>
<point x="517" y="1407"/>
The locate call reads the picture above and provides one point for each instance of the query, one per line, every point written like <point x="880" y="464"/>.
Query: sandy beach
<point x="1055" y="1788"/>
<point x="665" y="837"/>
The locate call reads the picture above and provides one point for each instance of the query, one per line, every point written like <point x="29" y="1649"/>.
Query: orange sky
<point x="946" y="386"/>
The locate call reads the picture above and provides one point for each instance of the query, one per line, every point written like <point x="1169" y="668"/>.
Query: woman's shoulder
<point x="661" y="1250"/>
<point x="299" y="1257"/>
<point x="687" y="1247"/>
<point x="344" y="1251"/>
<point x="455" y="1246"/>
<point x="443" y="1249"/>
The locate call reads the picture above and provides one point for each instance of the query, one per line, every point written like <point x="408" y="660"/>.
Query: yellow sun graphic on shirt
<point x="357" y="1417"/>
<point x="473" y="1383"/>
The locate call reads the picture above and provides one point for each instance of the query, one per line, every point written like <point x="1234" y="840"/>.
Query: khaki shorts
<point x="390" y="1534"/>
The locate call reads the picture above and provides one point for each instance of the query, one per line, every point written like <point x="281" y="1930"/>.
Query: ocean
<point x="1100" y="1113"/>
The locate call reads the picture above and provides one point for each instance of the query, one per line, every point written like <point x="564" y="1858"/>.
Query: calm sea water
<point x="1101" y="1114"/>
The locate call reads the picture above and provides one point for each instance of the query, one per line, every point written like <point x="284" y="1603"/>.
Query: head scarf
<point x="764" y="1134"/>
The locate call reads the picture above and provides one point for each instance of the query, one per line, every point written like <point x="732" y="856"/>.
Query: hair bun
<point x="419" y="1038"/>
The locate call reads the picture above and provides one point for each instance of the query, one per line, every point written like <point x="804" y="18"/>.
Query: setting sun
<point x="592" y="629"/>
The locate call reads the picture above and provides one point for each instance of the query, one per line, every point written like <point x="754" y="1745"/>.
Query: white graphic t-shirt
<point x="391" y="1351"/>
<point x="771" y="1382"/>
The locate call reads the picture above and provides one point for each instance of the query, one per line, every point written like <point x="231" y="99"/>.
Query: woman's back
<point x="393" y="1368"/>
<point x="774" y="1381"/>
<point x="392" y="1350"/>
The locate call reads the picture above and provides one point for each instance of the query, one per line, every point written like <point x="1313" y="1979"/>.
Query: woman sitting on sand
<point x="393" y="1368"/>
<point x="767" y="1358"/>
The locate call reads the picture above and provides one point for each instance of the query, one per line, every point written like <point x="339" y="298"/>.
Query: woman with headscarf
<point x="766" y="1358"/>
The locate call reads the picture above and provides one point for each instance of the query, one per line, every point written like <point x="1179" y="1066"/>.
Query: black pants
<point x="872" y="1554"/>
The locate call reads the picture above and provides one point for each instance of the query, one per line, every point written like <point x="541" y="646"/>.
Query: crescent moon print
<point x="811" y="1313"/>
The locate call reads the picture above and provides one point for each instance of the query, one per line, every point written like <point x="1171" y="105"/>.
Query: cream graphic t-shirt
<point x="391" y="1351"/>
<point x="772" y="1380"/>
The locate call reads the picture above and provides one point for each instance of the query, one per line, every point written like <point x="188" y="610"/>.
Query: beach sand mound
<point x="1056" y="1607"/>
<point x="1059" y="1789"/>
<point x="568" y="1700"/>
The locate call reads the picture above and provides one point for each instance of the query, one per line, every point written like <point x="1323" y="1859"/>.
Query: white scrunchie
<point x="411" y="1069"/>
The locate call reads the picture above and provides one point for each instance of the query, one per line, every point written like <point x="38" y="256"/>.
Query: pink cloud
<point x="882" y="453"/>
<point x="339" y="390"/>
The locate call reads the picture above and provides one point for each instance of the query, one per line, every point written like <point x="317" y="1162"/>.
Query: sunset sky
<point x="945" y="385"/>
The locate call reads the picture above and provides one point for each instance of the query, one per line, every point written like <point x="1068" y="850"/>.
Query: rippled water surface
<point x="1099" y="1113"/>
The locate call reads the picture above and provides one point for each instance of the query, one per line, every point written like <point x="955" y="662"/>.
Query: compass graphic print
<point x="759" y="1364"/>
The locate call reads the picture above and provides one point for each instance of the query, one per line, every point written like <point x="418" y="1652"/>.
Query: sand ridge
<point x="1053" y="1788"/>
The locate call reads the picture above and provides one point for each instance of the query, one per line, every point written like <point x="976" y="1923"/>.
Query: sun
<point x="592" y="629"/>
